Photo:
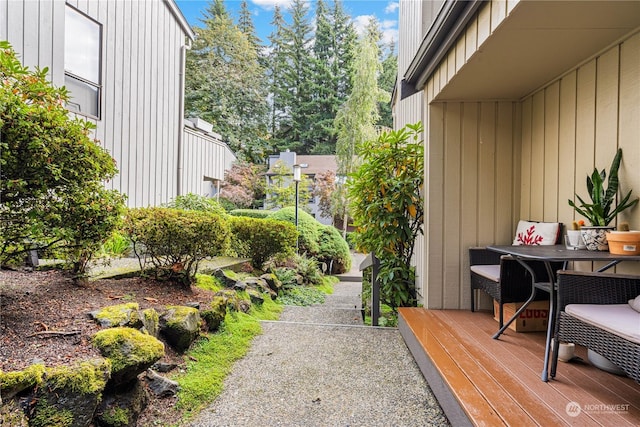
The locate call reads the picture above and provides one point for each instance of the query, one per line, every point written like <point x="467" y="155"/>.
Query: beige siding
<point x="470" y="194"/>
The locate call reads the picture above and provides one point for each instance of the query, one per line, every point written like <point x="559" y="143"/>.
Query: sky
<point x="385" y="11"/>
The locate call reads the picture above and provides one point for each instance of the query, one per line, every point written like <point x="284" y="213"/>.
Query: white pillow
<point x="536" y="233"/>
<point x="635" y="303"/>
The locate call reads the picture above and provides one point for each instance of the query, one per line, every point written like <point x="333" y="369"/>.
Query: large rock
<point x="122" y="408"/>
<point x="215" y="315"/>
<point x="180" y="326"/>
<point x="272" y="281"/>
<point x="261" y="285"/>
<point x="12" y="383"/>
<point x="130" y="352"/>
<point x="228" y="278"/>
<point x="151" y="322"/>
<point x="161" y="386"/>
<point x="119" y="315"/>
<point x="70" y="395"/>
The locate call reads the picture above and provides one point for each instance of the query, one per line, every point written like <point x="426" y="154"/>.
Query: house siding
<point x="205" y="160"/>
<point x="141" y="92"/>
<point x="490" y="163"/>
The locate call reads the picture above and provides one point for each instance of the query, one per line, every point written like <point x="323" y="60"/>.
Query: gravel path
<point x="319" y="366"/>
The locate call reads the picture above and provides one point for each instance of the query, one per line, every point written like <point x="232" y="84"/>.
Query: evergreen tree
<point x="245" y="24"/>
<point x="277" y="88"/>
<point x="324" y="101"/>
<point x="225" y="84"/>
<point x="298" y="66"/>
<point x="344" y="43"/>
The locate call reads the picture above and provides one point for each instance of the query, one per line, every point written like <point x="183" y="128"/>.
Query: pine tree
<point x="245" y="24"/>
<point x="225" y="84"/>
<point x="344" y="43"/>
<point x="324" y="101"/>
<point x="298" y="66"/>
<point x="276" y="61"/>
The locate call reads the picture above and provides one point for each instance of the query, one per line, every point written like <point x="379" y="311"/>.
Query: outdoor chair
<point x="503" y="278"/>
<point x="595" y="312"/>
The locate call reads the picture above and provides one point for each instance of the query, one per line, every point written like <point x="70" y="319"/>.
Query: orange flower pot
<point x="624" y="242"/>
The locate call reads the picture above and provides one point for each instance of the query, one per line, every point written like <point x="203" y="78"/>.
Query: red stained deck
<point x="487" y="382"/>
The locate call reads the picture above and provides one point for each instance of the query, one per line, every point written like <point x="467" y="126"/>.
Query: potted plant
<point x="601" y="211"/>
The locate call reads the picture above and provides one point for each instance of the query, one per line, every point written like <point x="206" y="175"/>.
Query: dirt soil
<point x="44" y="301"/>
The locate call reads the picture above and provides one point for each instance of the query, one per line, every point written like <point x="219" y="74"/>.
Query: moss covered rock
<point x="180" y="325"/>
<point x="119" y="315"/>
<point x="151" y="322"/>
<point x="130" y="352"/>
<point x="122" y="408"/>
<point x="69" y="395"/>
<point x="215" y="315"/>
<point x="12" y="383"/>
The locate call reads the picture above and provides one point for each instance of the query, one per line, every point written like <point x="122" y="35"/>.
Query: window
<point x="82" y="62"/>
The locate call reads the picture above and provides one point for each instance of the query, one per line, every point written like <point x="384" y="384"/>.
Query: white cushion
<point x="635" y="303"/>
<point x="491" y="272"/>
<point x="536" y="233"/>
<point x="618" y="319"/>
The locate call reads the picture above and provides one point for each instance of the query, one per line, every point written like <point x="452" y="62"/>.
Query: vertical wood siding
<point x="205" y="159"/>
<point x="141" y="44"/>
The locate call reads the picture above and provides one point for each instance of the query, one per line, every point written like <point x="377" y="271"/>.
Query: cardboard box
<point x="534" y="318"/>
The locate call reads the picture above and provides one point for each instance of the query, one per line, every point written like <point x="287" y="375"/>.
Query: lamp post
<point x="297" y="176"/>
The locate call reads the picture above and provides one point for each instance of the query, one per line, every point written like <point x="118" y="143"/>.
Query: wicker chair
<point x="596" y="288"/>
<point x="511" y="282"/>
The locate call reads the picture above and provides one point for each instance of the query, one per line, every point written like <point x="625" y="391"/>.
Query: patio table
<point x="547" y="255"/>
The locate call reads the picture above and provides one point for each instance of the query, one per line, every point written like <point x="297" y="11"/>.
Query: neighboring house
<point x="520" y="100"/>
<point x="311" y="166"/>
<point x="123" y="63"/>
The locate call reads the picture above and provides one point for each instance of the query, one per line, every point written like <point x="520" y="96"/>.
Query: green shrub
<point x="322" y="242"/>
<point x="172" y="242"/>
<point x="260" y="239"/>
<point x="252" y="213"/>
<point x="116" y="245"/>
<point x="194" y="202"/>
<point x="334" y="251"/>
<point x="308" y="227"/>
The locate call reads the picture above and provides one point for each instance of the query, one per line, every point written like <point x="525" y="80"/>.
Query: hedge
<point x="260" y="239"/>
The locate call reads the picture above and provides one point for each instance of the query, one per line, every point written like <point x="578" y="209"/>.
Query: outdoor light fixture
<point x="297" y="176"/>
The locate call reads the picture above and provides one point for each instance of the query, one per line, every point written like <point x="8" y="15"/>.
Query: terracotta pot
<point x="595" y="238"/>
<point x="624" y="242"/>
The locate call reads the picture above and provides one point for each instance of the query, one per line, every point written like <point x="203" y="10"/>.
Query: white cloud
<point x="361" y="22"/>
<point x="271" y="4"/>
<point x="388" y="28"/>
<point x="392" y="7"/>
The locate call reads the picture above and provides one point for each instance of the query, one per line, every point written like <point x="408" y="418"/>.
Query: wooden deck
<point x="487" y="382"/>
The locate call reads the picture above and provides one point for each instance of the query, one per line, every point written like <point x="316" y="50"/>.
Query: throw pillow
<point x="536" y="233"/>
<point x="635" y="303"/>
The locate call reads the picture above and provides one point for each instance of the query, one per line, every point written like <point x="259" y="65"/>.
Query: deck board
<point x="497" y="382"/>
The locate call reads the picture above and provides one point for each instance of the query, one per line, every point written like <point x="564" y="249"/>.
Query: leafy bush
<point x="252" y="213"/>
<point x="260" y="239"/>
<point x="116" y="245"/>
<point x="334" y="250"/>
<point x="296" y="270"/>
<point x="319" y="241"/>
<point x="51" y="171"/>
<point x="302" y="296"/>
<point x="308" y="227"/>
<point x="174" y="241"/>
<point x="195" y="202"/>
<point x="388" y="209"/>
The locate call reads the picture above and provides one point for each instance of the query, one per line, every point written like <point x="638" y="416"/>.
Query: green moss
<point x="150" y="319"/>
<point x="111" y="341"/>
<point x="47" y="415"/>
<point x="20" y="380"/>
<point x="119" y="314"/>
<point x="84" y="378"/>
<point x="180" y="312"/>
<point x="116" y="416"/>
<point x="209" y="283"/>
